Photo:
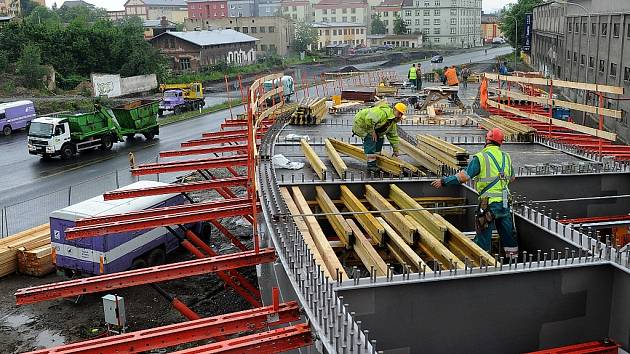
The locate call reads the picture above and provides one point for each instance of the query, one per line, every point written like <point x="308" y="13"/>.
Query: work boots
<point x="372" y="168"/>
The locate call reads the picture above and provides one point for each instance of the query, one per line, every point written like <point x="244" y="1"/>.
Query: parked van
<point x="16" y="115"/>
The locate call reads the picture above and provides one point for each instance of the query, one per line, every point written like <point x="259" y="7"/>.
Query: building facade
<point x="173" y="10"/>
<point x="207" y="9"/>
<point x="445" y="23"/>
<point x="242" y="8"/>
<point x="116" y="15"/>
<point x="275" y="34"/>
<point x="330" y="33"/>
<point x="591" y="47"/>
<point x="341" y="11"/>
<point x="192" y="51"/>
<point x="154" y="28"/>
<point x="298" y="10"/>
<point x="387" y="11"/>
<point x="490" y="27"/>
<point x="396" y="41"/>
<point x="267" y="8"/>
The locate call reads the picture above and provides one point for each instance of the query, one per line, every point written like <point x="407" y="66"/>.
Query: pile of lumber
<point x="512" y="130"/>
<point x="36" y="262"/>
<point x="27" y="240"/>
<point x="448" y="154"/>
<point x="383" y="91"/>
<point x="309" y="111"/>
<point x="344" y="106"/>
<point x="387" y="164"/>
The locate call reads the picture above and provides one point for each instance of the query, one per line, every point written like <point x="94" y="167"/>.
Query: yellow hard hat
<point x="401" y="107"/>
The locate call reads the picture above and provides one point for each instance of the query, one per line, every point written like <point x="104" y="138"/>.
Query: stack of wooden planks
<point x="36" y="262"/>
<point x="512" y="130"/>
<point x="387" y="164"/>
<point x="10" y="246"/>
<point x="344" y="106"/>
<point x="450" y="155"/>
<point x="385" y="91"/>
<point x="309" y="111"/>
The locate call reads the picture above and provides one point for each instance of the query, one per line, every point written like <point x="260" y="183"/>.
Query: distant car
<point x="498" y="40"/>
<point x="437" y="59"/>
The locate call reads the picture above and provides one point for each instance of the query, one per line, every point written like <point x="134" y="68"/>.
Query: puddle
<point x="48" y="338"/>
<point x="17" y="320"/>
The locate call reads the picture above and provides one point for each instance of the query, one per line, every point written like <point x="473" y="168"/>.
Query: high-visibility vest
<point x="412" y="73"/>
<point x="490" y="172"/>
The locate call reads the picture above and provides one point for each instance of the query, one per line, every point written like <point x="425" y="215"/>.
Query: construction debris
<point x="309" y="111"/>
<point x="512" y="130"/>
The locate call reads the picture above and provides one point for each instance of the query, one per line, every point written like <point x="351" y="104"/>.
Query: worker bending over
<point x="373" y="124"/>
<point x="492" y="171"/>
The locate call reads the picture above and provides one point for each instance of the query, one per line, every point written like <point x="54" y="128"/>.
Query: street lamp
<point x="516" y="37"/>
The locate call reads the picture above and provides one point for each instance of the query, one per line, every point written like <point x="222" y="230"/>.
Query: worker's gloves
<point x="374" y="136"/>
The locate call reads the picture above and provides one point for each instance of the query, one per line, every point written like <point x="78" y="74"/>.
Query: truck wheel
<point x="67" y="151"/>
<point x="107" y="142"/>
<point x="7" y="130"/>
<point x="177" y="111"/>
<point x="130" y="137"/>
<point x="156" y="257"/>
<point x="160" y="113"/>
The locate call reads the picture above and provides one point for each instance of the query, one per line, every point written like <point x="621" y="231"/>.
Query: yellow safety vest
<point x="490" y="172"/>
<point x="412" y="73"/>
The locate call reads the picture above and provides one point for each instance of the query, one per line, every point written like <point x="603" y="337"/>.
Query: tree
<point x="4" y="61"/>
<point x="29" y="66"/>
<point x="27" y="6"/>
<point x="306" y="37"/>
<point x="400" y="27"/>
<point x="378" y="27"/>
<point x="518" y="11"/>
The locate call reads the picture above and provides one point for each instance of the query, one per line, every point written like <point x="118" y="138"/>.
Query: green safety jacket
<point x="379" y="119"/>
<point x="413" y="73"/>
<point x="489" y="158"/>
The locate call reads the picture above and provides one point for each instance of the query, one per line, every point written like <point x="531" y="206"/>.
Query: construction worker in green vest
<point x="413" y="76"/>
<point x="373" y="125"/>
<point x="492" y="171"/>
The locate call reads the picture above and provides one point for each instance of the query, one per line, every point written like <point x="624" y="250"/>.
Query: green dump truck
<point x="67" y="134"/>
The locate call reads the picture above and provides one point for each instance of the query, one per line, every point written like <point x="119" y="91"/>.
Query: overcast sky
<point x="488" y="5"/>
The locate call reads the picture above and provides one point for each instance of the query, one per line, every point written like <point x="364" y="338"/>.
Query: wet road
<point x="24" y="176"/>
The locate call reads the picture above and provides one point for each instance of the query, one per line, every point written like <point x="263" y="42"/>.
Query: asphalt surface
<point x="25" y="176"/>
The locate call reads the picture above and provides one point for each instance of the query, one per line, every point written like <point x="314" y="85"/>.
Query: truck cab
<point x="47" y="136"/>
<point x="171" y="99"/>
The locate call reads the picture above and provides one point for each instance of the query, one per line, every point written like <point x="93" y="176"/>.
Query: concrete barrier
<point x="112" y="85"/>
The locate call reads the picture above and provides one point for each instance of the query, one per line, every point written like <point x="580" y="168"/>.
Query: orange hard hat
<point x="495" y="135"/>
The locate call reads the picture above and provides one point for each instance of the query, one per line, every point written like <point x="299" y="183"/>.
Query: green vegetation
<point x="516" y="10"/>
<point x="400" y="27"/>
<point x="29" y="66"/>
<point x="306" y="36"/>
<point x="378" y="27"/>
<point x="193" y="114"/>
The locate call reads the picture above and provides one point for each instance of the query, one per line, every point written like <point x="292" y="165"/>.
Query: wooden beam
<point x="424" y="217"/>
<point x="458" y="240"/>
<point x="321" y="242"/>
<point x="557" y="122"/>
<point x="313" y="159"/>
<point x="559" y="103"/>
<point x="557" y="83"/>
<point x="425" y="160"/>
<point x="336" y="160"/>
<point x="400" y="248"/>
<point x="397" y="219"/>
<point x="384" y="163"/>
<point x="368" y="221"/>
<point x="366" y="252"/>
<point x="306" y="234"/>
<point x="339" y="224"/>
<point x="433" y="248"/>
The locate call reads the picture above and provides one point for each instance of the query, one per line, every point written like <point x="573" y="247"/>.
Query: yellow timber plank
<point x="336" y="160"/>
<point x="366" y="252"/>
<point x="424" y="217"/>
<point x="386" y="164"/>
<point x="557" y="122"/>
<point x="325" y="249"/>
<point x="434" y="248"/>
<point x="425" y="160"/>
<point x="472" y="250"/>
<point x="557" y="83"/>
<point x="313" y="159"/>
<point x="368" y="221"/>
<point x="395" y="242"/>
<point x="306" y="234"/>
<point x="339" y="224"/>
<point x="404" y="228"/>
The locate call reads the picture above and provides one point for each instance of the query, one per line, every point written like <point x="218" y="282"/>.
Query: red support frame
<point x="176" y="188"/>
<point x="275" y="341"/>
<point x="192" y="165"/>
<point x="164" y="219"/>
<point x="135" y="277"/>
<point x="179" y="333"/>
<point x="217" y="140"/>
<point x="228" y="234"/>
<point x="223" y="133"/>
<point x="239" y="149"/>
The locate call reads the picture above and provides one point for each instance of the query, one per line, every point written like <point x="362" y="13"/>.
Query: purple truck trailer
<point x="114" y="252"/>
<point x="16" y="115"/>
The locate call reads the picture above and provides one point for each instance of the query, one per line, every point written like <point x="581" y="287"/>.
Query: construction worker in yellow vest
<point x="413" y="76"/>
<point x="373" y="125"/>
<point x="492" y="171"/>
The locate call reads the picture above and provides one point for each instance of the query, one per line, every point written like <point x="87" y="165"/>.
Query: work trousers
<point x="371" y="147"/>
<point x="505" y="227"/>
<point x="413" y="83"/>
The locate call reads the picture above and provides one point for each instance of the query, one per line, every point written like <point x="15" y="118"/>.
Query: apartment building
<point x="445" y="23"/>
<point x="207" y="9"/>
<point x="267" y="8"/>
<point x="335" y="33"/>
<point x="387" y="11"/>
<point x="298" y="10"/>
<point x="548" y="39"/>
<point x="490" y="27"/>
<point x="173" y="10"/>
<point x="341" y="11"/>
<point x="242" y="8"/>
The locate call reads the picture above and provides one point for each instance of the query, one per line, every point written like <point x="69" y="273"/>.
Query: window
<point x="184" y="63"/>
<point x="245" y="30"/>
<point x="577" y="28"/>
<point x="344" y="11"/>
<point x="593" y="29"/>
<point x="333" y="11"/>
<point x="453" y="12"/>
<point x="568" y="55"/>
<point x="582" y="59"/>
<point x="334" y="32"/>
<point x="584" y="28"/>
<point x="626" y="74"/>
<point x="591" y="62"/>
<point x="569" y="27"/>
<point x="453" y="31"/>
<point x="428" y="13"/>
<point x="262" y="29"/>
<point x="616" y="30"/>
<point x="602" y="66"/>
<point x="408" y="13"/>
<point x="417" y="22"/>
<point x="436" y="40"/>
<point x="386" y="22"/>
<point x="613" y="70"/>
<point x="362" y="31"/>
<point x="436" y="21"/>
<point x="418" y="13"/>
<point x="628" y="31"/>
<point x="353" y="11"/>
<point x="254" y="29"/>
<point x="575" y="57"/>
<point x="325" y="12"/>
<point x="436" y="31"/>
<point x="237" y="29"/>
<point x="324" y="19"/>
<point x="386" y="14"/>
<point x="353" y="19"/>
<point x="263" y="47"/>
<point x="436" y="12"/>
<point x="333" y="19"/>
<point x="294" y="8"/>
<point x="344" y="19"/>
<point x="604" y="29"/>
<point x="408" y="22"/>
<point x="426" y="22"/>
<point x="453" y="21"/>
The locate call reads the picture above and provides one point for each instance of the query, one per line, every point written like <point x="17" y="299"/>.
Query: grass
<point x="194" y="114"/>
